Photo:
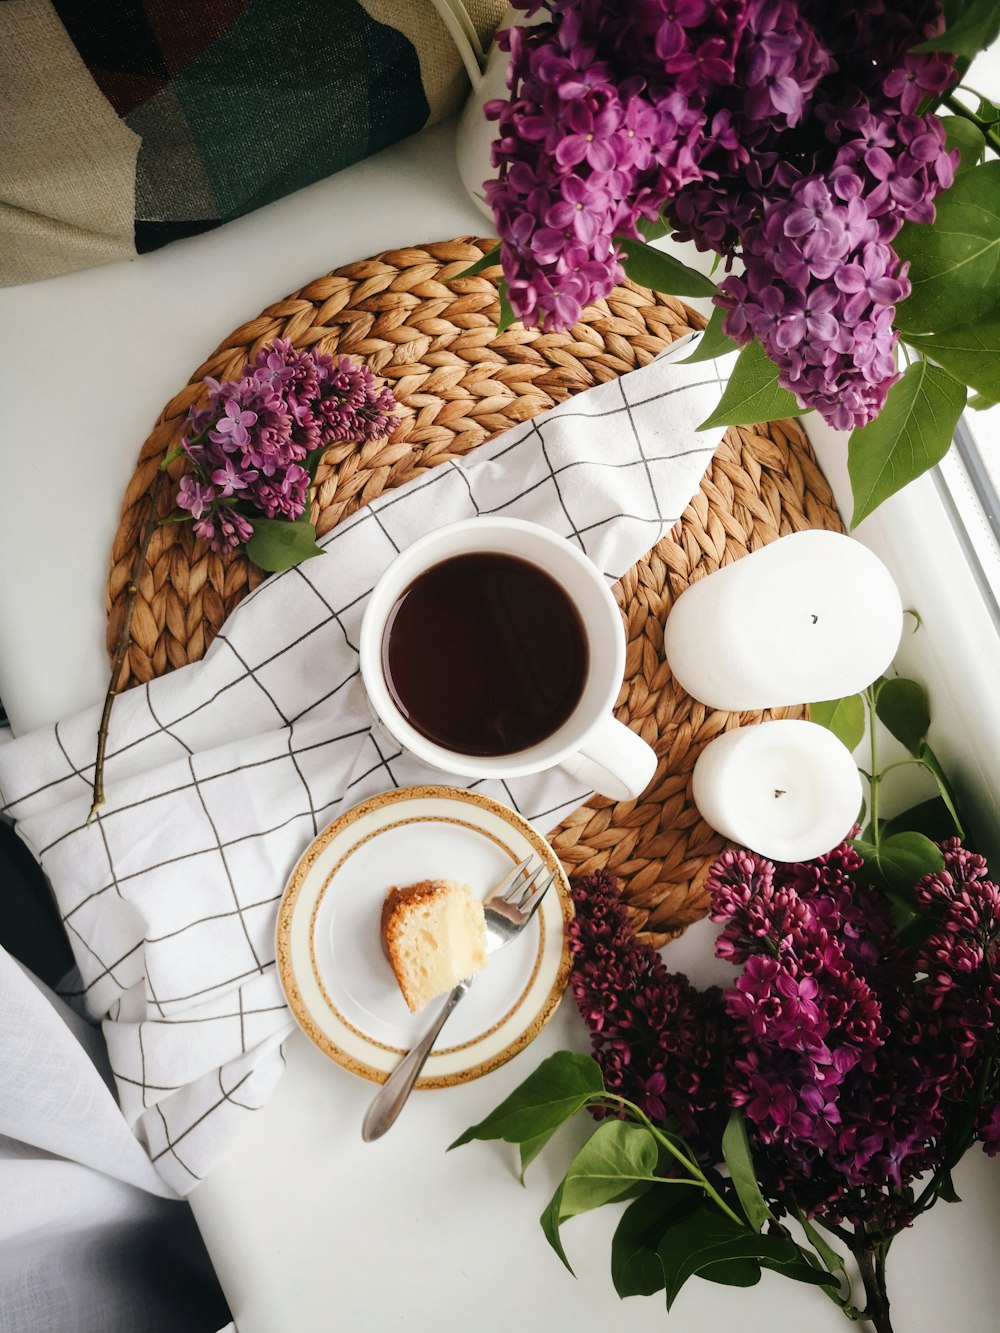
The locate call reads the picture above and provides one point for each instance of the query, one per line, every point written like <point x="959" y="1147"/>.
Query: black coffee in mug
<point x="485" y="654"/>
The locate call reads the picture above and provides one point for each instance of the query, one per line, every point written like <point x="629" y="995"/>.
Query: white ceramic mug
<point x="591" y="744"/>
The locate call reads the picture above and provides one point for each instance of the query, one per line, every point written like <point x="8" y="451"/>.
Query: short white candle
<point x="786" y="789"/>
<point x="811" y="616"/>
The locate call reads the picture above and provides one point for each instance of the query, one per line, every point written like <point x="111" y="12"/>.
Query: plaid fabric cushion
<point x="130" y="123"/>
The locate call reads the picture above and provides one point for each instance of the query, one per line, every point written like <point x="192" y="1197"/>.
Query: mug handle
<point x="613" y="761"/>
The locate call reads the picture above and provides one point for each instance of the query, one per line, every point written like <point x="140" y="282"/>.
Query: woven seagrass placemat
<point x="459" y="383"/>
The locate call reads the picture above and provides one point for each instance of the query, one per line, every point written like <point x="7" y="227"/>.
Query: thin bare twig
<point x="121" y="647"/>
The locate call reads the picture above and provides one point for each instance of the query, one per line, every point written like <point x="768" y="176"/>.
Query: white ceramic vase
<point x="475" y="134"/>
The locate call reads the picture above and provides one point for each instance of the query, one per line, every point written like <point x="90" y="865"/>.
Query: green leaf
<point x="550" y="1227"/>
<point x="969" y="352"/>
<point x="662" y="272"/>
<point x="904" y="858"/>
<point x="530" y="1148"/>
<point x="932" y="818"/>
<point x="507" y="316"/>
<point x="560" y="1086"/>
<point x="277" y="544"/>
<point x="865" y="848"/>
<point x="931" y="762"/>
<point x="312" y="461"/>
<point x="913" y="432"/>
<point x="917" y="931"/>
<point x="980" y="403"/>
<point x="868" y="850"/>
<point x="903" y="709"/>
<point x="895" y="864"/>
<point x="793" y="1264"/>
<point x="988" y="112"/>
<point x="968" y="138"/>
<point x="635" y="1265"/>
<point x="831" y="1260"/>
<point x="713" y="342"/>
<point x="910" y="926"/>
<point x="652" y="228"/>
<point x="975" y="27"/>
<point x="736" y="1151"/>
<point x="732" y="1272"/>
<point x="753" y="393"/>
<point x="617" y="1156"/>
<point x="844" y="717"/>
<point x="946" y="1189"/>
<point x="489" y="260"/>
<point x="710" y="1240"/>
<point x="955" y="260"/>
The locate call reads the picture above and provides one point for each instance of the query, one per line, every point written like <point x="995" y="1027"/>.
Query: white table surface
<point x="310" y="1229"/>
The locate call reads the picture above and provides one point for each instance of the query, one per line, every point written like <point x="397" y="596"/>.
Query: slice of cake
<point x="434" y="934"/>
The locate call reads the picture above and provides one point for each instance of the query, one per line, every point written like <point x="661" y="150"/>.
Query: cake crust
<point x="434" y="935"/>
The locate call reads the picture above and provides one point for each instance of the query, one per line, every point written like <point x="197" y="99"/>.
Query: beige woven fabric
<point x="67" y="163"/>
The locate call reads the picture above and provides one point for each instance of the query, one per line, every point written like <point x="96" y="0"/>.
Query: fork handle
<point x="391" y="1097"/>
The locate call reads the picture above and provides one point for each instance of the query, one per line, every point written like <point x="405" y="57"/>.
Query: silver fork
<point x="508" y="909"/>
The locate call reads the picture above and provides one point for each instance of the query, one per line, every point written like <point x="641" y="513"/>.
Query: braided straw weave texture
<point x="459" y="383"/>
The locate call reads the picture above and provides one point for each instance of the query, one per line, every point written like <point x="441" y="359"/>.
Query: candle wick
<point x="815" y="620"/>
<point x="778" y="792"/>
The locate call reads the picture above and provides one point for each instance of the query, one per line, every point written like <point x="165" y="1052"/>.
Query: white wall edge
<point x="955" y="653"/>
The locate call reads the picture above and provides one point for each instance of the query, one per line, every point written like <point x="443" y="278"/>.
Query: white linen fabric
<point x="219" y="775"/>
<point x="89" y="1237"/>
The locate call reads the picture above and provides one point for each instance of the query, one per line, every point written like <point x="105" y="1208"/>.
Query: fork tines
<point x="523" y="878"/>
<point x="534" y="891"/>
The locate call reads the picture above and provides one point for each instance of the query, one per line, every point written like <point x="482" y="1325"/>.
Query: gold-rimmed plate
<point x="335" y="975"/>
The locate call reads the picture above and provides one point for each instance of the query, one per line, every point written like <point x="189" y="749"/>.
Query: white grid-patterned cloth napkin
<point x="219" y="775"/>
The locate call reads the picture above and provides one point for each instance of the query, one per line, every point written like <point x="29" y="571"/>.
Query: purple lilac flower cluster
<point x="805" y="1012"/>
<point x="785" y="132"/>
<point x="595" y="135"/>
<point x="860" y="1062"/>
<point x="659" y="1041"/>
<point x="817" y="213"/>
<point x="959" y="1015"/>
<point x="249" y="443"/>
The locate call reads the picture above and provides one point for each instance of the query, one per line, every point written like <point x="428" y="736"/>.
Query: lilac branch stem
<point x="988" y="132"/>
<point x="121" y="647"/>
<point x="874" y="776"/>
<point x="870" y="1254"/>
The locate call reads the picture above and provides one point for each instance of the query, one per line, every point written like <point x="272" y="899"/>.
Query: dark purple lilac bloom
<point x="855" y="1053"/>
<point x="247" y="446"/>
<point x="851" y="1054"/>
<point x="659" y="1042"/>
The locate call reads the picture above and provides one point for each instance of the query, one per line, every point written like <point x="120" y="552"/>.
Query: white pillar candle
<point x="814" y="615"/>
<point x="786" y="789"/>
